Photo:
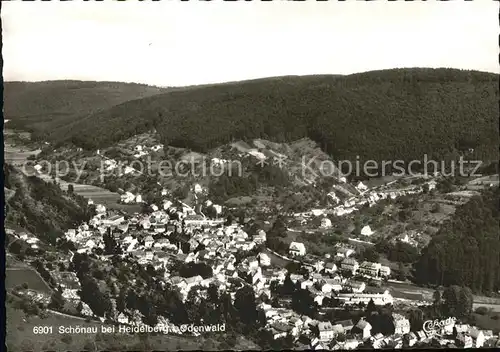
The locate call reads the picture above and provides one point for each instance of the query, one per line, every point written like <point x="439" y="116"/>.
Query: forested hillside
<point x="466" y="251"/>
<point x="40" y="207"/>
<point x="392" y="114"/>
<point x="40" y="106"/>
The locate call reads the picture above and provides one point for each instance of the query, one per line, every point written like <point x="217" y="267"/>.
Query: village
<point x="336" y="289"/>
<point x="173" y="232"/>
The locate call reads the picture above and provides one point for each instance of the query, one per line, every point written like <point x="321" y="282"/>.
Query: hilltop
<point x="381" y="115"/>
<point x="40" y="106"/>
<point x="466" y="250"/>
<point x="40" y="207"/>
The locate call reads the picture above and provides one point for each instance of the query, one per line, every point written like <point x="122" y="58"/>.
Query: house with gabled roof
<point x="346" y="324"/>
<point x="410" y="338"/>
<point x="401" y="324"/>
<point x="330" y="268"/>
<point x="356" y="286"/>
<point x="148" y="241"/>
<point x="350" y="265"/>
<point x="363" y="327"/>
<point x="325" y="331"/>
<point x="478" y="337"/>
<point x="297" y="249"/>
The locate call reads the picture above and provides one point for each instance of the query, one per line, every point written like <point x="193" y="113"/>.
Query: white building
<point x="326" y="223"/>
<point x="385" y="271"/>
<point x="356" y="298"/>
<point x="370" y="269"/>
<point x="260" y="237"/>
<point x="361" y="187"/>
<point x="114" y="220"/>
<point x="264" y="259"/>
<point x="167" y="204"/>
<point x="366" y="231"/>
<point x="326" y="333"/>
<point x="401" y="324"/>
<point x="297" y="249"/>
<point x="349" y="264"/>
<point x="218" y="209"/>
<point x="198" y="188"/>
<point x="100" y="209"/>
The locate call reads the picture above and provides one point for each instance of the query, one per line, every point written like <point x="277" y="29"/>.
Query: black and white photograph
<point x="250" y="175"/>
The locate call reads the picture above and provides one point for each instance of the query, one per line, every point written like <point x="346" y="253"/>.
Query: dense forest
<point x="41" y="106"/>
<point x="377" y="115"/>
<point x="466" y="251"/>
<point x="42" y="207"/>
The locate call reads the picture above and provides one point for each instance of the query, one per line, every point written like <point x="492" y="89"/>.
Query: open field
<point x="489" y="321"/>
<point x="18" y="276"/>
<point x="20" y="337"/>
<point x="11" y="262"/>
<point x="17" y="156"/>
<point x="97" y="194"/>
<point x="493" y="307"/>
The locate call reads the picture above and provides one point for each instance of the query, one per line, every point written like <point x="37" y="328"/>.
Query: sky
<point x="173" y="43"/>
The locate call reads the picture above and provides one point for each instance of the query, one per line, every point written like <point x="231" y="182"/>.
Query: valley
<point x="203" y="223"/>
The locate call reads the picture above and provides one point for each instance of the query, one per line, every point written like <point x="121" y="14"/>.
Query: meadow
<point x="17" y="276"/>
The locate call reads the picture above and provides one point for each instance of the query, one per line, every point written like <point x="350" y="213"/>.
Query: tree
<point x="370" y="254"/>
<point x="437" y="302"/>
<point x="213" y="294"/>
<point x="303" y="303"/>
<point x="466" y="300"/>
<point x="457" y="301"/>
<point x="56" y="300"/>
<point x="121" y="301"/>
<point x="416" y="318"/>
<point x="371" y="307"/>
<point x="279" y="228"/>
<point x="436" y="208"/>
<point x="288" y="285"/>
<point x="461" y="252"/>
<point x="402" y="272"/>
<point x="481" y="310"/>
<point x="245" y="305"/>
<point x="111" y="246"/>
<point x="71" y="189"/>
<point x="15" y="247"/>
<point x="194" y="269"/>
<point x="90" y="293"/>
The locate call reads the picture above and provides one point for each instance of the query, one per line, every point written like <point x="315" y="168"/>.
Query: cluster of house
<point x="141" y="239"/>
<point x="145" y="238"/>
<point x="344" y="259"/>
<point x="411" y="237"/>
<point x="229" y="277"/>
<point x="138" y="228"/>
<point x="345" y="335"/>
<point x="322" y="285"/>
<point x="315" y="334"/>
<point x="25" y="237"/>
<point x="130" y="198"/>
<point x="353" y="202"/>
<point x="448" y="333"/>
<point x="367" y="269"/>
<point x="33" y="295"/>
<point x="143" y="150"/>
<point x="359" y="334"/>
